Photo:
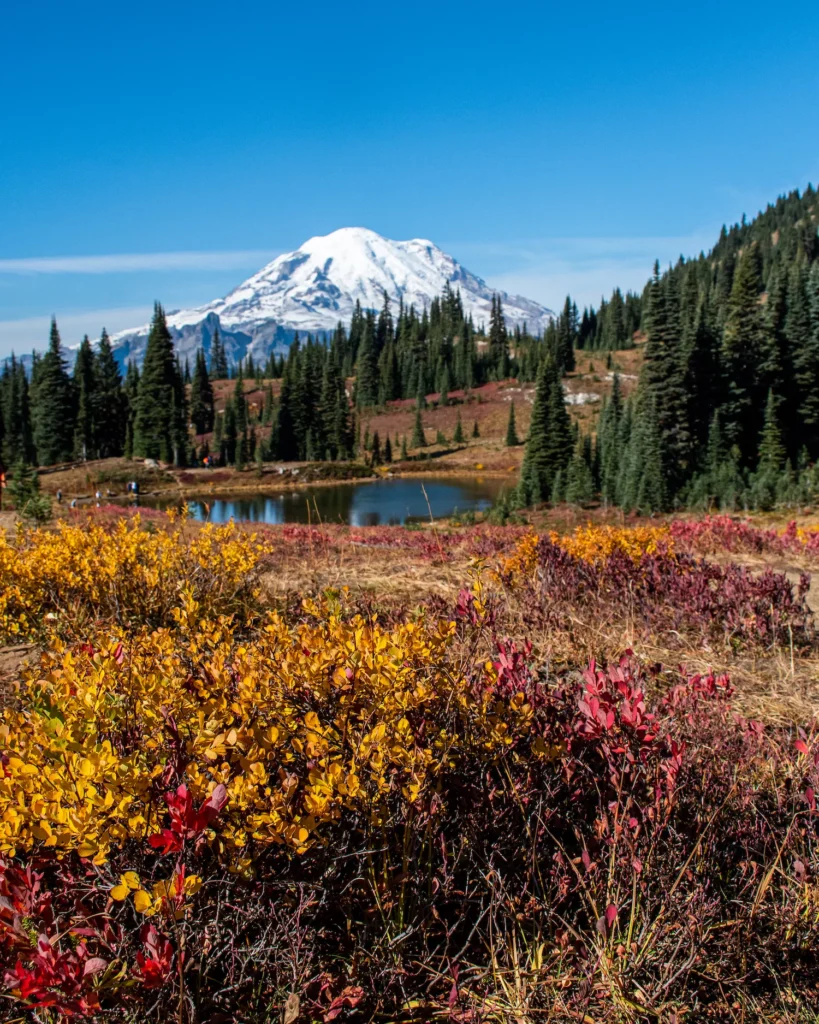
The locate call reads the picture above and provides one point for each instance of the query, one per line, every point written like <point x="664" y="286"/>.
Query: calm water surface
<point x="376" y="503"/>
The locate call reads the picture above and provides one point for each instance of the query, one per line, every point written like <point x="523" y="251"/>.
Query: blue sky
<point x="549" y="147"/>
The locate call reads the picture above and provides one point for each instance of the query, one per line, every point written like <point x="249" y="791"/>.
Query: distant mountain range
<point x="318" y="285"/>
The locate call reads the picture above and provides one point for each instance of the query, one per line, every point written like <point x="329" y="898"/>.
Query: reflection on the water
<point x="376" y="503"/>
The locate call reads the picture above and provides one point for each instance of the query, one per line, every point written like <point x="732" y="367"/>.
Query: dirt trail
<point x="11" y="660"/>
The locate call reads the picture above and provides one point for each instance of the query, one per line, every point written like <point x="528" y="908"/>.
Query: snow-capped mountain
<point x="315" y="287"/>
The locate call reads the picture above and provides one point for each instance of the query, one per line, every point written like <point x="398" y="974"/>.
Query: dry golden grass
<point x="776" y="686"/>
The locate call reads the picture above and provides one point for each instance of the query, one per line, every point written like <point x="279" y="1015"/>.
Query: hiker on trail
<point x="73" y="502"/>
<point x="98" y="496"/>
<point x="59" y="496"/>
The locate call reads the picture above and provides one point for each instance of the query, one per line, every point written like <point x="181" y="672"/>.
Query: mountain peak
<point x="317" y="286"/>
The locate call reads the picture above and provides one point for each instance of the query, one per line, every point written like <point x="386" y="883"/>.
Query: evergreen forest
<point x="725" y="414"/>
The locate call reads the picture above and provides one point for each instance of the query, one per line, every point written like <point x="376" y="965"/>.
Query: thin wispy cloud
<point x="32" y="332"/>
<point x="128" y="263"/>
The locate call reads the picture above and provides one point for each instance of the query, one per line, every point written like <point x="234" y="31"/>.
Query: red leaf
<point x="802" y="747"/>
<point x="211" y="807"/>
<point x="166" y="840"/>
<point x="94" y="965"/>
<point x="350" y="996"/>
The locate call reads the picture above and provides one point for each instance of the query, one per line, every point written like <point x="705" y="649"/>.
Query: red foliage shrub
<point x="674" y="593"/>
<point x="715" y="534"/>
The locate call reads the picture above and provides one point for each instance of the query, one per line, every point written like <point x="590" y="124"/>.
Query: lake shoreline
<point x="249" y="482"/>
<point x="385" y="499"/>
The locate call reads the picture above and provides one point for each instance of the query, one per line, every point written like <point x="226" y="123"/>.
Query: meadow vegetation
<point x="246" y="778"/>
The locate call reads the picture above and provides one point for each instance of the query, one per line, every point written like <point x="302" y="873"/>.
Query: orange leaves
<point x="285" y="731"/>
<point x="591" y="543"/>
<point x="596" y="543"/>
<point x="60" y="579"/>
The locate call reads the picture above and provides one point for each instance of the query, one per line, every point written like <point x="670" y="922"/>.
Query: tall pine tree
<point x="53" y="405"/>
<point x="160" y="398"/>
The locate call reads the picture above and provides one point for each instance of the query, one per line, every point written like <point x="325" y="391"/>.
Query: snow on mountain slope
<point x="315" y="287"/>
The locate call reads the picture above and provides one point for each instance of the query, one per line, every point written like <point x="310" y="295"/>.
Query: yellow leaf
<point x="87" y="768"/>
<point x="87" y="848"/>
<point x="142" y="901"/>
<point x="119" y="893"/>
<point x="192" y="884"/>
<point x="131" y="879"/>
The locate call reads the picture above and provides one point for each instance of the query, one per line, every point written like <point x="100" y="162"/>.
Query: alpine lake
<point x="390" y="501"/>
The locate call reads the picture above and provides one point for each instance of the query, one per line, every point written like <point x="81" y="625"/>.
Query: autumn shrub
<point x="590" y="543"/>
<point x="376" y="821"/>
<point x="658" y="592"/>
<point x="723" y="533"/>
<point x="321" y="813"/>
<point x="81" y="572"/>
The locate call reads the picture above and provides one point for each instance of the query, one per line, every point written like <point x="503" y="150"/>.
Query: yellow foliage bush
<point x="596" y="543"/>
<point x="298" y="723"/>
<point x="75" y="574"/>
<point x="592" y="544"/>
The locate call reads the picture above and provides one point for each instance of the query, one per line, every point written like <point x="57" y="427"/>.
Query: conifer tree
<point x="643" y="488"/>
<point x="388" y="450"/>
<point x="771" y="450"/>
<point x="418" y="438"/>
<point x="579" y="479"/>
<point x="512" y="439"/>
<point x="549" y="443"/>
<point x="230" y="435"/>
<point x="366" y="385"/>
<point x="475" y="430"/>
<point x="566" y="336"/>
<point x="25" y="491"/>
<point x="742" y="342"/>
<point x="110" y="408"/>
<point x="84" y="387"/>
<point x="498" y="340"/>
<point x="201" y="402"/>
<point x="239" y="400"/>
<point x="702" y="374"/>
<point x="663" y="378"/>
<point x="803" y="343"/>
<point x="159" y="419"/>
<point x="609" y="447"/>
<point x="458" y="436"/>
<point x="444" y="387"/>
<point x="286" y="441"/>
<point x="53" y="405"/>
<point x="218" y="358"/>
<point x="131" y="393"/>
<point x="16" y="437"/>
<point x="267" y="409"/>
